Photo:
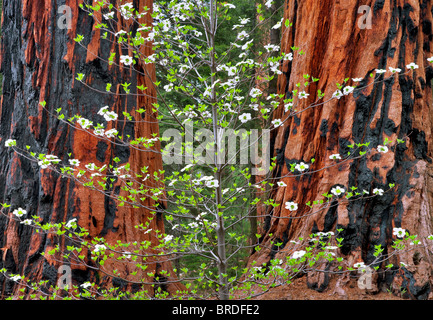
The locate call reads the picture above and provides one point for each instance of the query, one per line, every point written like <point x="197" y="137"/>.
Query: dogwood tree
<point x="215" y="114"/>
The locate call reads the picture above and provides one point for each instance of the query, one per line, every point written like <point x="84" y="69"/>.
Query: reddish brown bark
<point x="399" y="107"/>
<point x="40" y="63"/>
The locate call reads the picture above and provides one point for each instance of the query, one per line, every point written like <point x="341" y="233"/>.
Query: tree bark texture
<point x="338" y="45"/>
<point x="39" y="63"/>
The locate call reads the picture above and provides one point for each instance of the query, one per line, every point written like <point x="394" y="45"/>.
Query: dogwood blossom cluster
<point x="108" y="115"/>
<point x="208" y="181"/>
<point x="99" y="130"/>
<point x="48" y="160"/>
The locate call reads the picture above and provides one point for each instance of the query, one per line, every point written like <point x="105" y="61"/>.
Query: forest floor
<point x="298" y="290"/>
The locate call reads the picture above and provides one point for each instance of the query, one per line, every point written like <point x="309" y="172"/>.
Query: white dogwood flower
<point x="335" y="156"/>
<point x="382" y="149"/>
<point x="277" y="25"/>
<point x="271" y="47"/>
<point x="378" y="191"/>
<point x="337" y="190"/>
<point x="231" y="71"/>
<point x="245" y="117"/>
<point x="269" y="3"/>
<point x="110" y="115"/>
<point x="412" y="66"/>
<point x="71" y="223"/>
<point x="399" y="232"/>
<point x="255" y="92"/>
<point x="212" y="183"/>
<point x="74" y="162"/>
<point x="126" y="60"/>
<point x="103" y="110"/>
<point x="348" y="90"/>
<point x="19" y="212"/>
<point x="111" y="133"/>
<point x="229" y="5"/>
<point x="242" y="35"/>
<point x="86" y="285"/>
<point x="277" y="122"/>
<point x="16" y="278"/>
<point x="337" y="94"/>
<point x="119" y="33"/>
<point x="126" y="9"/>
<point x="394" y="70"/>
<point x="91" y="166"/>
<point x="168" y="238"/>
<point x="10" y="143"/>
<point x="288" y="106"/>
<point x="292" y="206"/>
<point x="298" y="254"/>
<point x="84" y="123"/>
<point x="288" y="56"/>
<point x="168" y="87"/>
<point x="109" y="15"/>
<point x="303" y="95"/>
<point x="99" y="247"/>
<point x="301" y="167"/>
<point x="27" y="222"/>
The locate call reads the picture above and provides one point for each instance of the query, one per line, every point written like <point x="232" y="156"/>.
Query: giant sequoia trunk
<point x="338" y="45"/>
<point x="39" y="63"/>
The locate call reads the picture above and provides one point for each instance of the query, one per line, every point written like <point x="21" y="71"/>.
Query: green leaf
<point x="79" y="38"/>
<point x="80" y="76"/>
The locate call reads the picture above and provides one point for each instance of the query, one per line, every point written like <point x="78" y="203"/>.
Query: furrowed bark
<point x="40" y="62"/>
<point x="337" y="46"/>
